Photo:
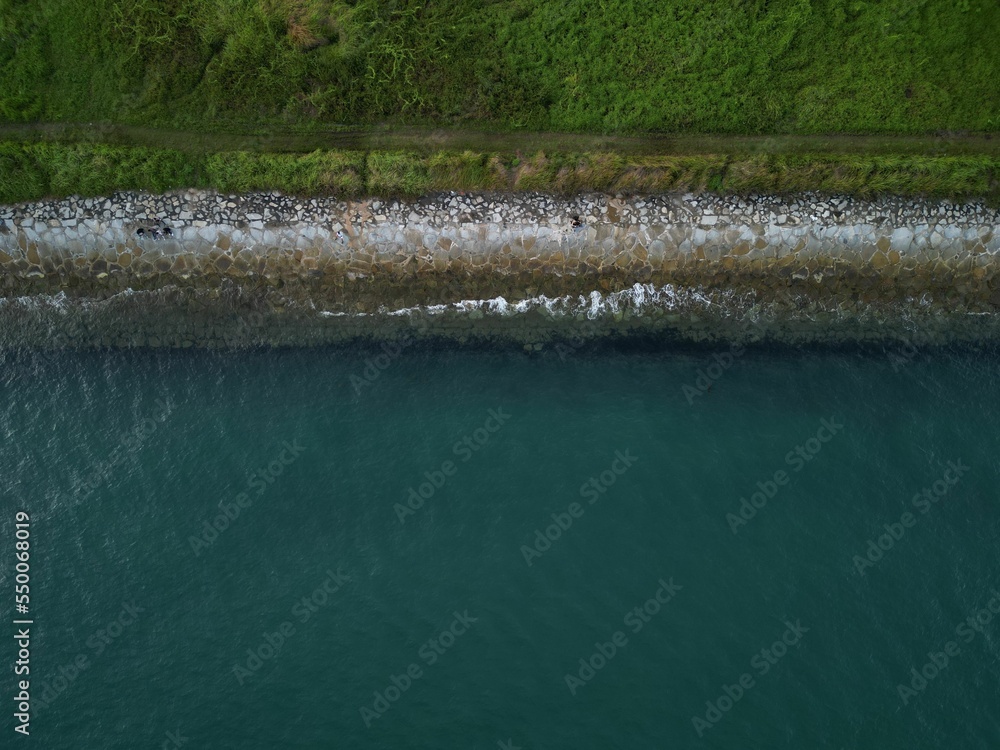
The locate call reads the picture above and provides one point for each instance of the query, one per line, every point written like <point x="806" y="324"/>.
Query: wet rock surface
<point x="191" y="268"/>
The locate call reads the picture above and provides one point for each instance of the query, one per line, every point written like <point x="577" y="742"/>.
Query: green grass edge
<point x="33" y="171"/>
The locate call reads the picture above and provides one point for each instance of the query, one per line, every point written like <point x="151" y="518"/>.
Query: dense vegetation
<point x="30" y="171"/>
<point x="723" y="66"/>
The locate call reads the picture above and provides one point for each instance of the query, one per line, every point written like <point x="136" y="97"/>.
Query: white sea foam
<point x="639" y="298"/>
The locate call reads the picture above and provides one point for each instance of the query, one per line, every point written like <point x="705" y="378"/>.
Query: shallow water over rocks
<point x="204" y="269"/>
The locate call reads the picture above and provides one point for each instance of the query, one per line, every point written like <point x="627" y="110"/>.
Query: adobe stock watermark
<point x="635" y="619"/>
<point x="797" y="458"/>
<point x="463" y="449"/>
<point x="260" y="480"/>
<point x="592" y="489"/>
<point x="303" y="610"/>
<point x="375" y="366"/>
<point x="247" y="332"/>
<point x="98" y="643"/>
<point x="589" y="331"/>
<point x="706" y="378"/>
<point x="129" y="442"/>
<point x="904" y="353"/>
<point x="761" y="663"/>
<point x="174" y="740"/>
<point x="64" y="331"/>
<point x="429" y="652"/>
<point x="901" y="357"/>
<point x="938" y="661"/>
<point x="922" y="501"/>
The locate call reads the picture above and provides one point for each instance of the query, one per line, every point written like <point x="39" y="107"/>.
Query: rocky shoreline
<point x="192" y="268"/>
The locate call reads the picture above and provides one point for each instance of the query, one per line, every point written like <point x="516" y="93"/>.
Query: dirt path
<point x="950" y="144"/>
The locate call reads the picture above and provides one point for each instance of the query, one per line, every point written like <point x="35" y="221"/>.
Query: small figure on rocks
<point x="577" y="223"/>
<point x="154" y="232"/>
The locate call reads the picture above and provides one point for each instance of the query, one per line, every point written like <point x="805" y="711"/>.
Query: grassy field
<point x="34" y="170"/>
<point x="594" y="66"/>
<point x="353" y="97"/>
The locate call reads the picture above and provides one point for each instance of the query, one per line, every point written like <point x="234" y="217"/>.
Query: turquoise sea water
<point x="642" y="464"/>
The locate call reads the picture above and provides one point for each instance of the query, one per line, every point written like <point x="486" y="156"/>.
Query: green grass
<point x="39" y="170"/>
<point x="30" y="171"/>
<point x="397" y="173"/>
<point x="597" y="66"/>
<point x="330" y="172"/>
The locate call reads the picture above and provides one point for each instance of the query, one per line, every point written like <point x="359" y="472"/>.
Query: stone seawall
<point x="193" y="268"/>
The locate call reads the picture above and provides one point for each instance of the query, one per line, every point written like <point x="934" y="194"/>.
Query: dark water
<point x="163" y="620"/>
